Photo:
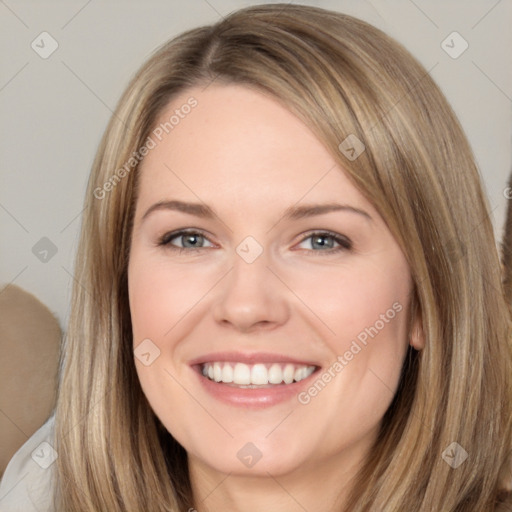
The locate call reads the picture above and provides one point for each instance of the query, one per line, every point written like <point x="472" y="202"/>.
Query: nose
<point x="251" y="297"/>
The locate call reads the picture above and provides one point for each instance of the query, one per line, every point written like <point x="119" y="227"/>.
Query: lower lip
<point x="253" y="397"/>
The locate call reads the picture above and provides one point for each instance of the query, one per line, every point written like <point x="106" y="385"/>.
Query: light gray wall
<point x="53" y="110"/>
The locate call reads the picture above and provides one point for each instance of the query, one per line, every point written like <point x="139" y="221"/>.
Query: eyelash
<point x="344" y="243"/>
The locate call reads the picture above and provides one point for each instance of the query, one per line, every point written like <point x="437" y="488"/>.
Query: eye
<point x="191" y="240"/>
<point x="325" y="241"/>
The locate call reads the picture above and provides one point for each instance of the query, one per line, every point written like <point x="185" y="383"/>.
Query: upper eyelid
<point x="182" y="232"/>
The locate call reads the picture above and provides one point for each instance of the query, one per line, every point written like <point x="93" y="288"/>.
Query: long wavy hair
<point x="342" y="77"/>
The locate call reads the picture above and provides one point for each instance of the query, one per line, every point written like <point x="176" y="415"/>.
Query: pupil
<point x="321" y="241"/>
<point x="193" y="238"/>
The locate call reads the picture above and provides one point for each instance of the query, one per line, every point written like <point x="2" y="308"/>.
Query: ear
<point x="417" y="336"/>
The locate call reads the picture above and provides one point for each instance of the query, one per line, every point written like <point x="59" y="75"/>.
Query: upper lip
<point x="249" y="358"/>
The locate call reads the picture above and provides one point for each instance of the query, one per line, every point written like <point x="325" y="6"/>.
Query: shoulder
<point x="27" y="484"/>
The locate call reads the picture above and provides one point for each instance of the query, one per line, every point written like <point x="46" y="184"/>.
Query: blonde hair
<point x="342" y="77"/>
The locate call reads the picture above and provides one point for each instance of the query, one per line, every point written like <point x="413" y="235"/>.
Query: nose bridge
<point x="251" y="293"/>
<point x="250" y="264"/>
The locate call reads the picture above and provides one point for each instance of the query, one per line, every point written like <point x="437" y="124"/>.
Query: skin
<point x="247" y="157"/>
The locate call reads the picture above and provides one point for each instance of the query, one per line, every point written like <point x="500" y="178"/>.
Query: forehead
<point x="239" y="144"/>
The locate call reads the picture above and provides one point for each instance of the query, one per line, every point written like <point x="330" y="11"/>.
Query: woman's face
<point x="285" y="269"/>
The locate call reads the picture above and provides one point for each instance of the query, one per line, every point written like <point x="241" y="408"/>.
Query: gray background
<point x="53" y="111"/>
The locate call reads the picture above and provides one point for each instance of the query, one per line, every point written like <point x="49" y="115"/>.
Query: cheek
<point x="372" y="310"/>
<point x="362" y="303"/>
<point x="160" y="296"/>
<point x="364" y="312"/>
<point x="159" y="299"/>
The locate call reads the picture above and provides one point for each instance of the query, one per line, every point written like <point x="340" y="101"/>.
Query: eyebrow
<point x="292" y="213"/>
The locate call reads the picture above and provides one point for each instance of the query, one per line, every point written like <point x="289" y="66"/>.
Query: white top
<point x="26" y="485"/>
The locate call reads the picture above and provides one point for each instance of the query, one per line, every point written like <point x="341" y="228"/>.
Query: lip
<point x="246" y="397"/>
<point x="249" y="358"/>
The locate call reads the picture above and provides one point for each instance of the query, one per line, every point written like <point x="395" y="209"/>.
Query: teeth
<point x="275" y="374"/>
<point x="288" y="374"/>
<point x="298" y="374"/>
<point x="227" y="373"/>
<point x="258" y="374"/>
<point x="217" y="373"/>
<point x="241" y="374"/>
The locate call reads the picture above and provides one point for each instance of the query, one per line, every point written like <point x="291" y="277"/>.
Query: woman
<point x="215" y="360"/>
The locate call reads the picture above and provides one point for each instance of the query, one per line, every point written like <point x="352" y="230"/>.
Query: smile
<point x="253" y="380"/>
<point x="255" y="375"/>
